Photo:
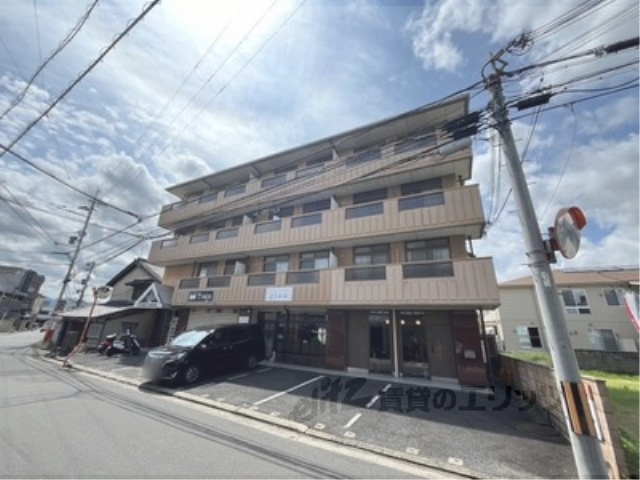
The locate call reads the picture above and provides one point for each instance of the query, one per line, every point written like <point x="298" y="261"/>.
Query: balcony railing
<point x="459" y="213"/>
<point x="464" y="283"/>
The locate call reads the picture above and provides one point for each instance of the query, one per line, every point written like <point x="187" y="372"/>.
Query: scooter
<point x="126" y="343"/>
<point x="106" y="343"/>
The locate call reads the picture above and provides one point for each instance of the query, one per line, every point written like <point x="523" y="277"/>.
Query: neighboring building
<point x="19" y="290"/>
<point x="352" y="252"/>
<point x="138" y="302"/>
<point x="594" y="308"/>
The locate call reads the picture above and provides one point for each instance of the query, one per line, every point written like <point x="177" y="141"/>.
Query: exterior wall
<point x="461" y="213"/>
<point x="122" y="292"/>
<point x="519" y="308"/>
<point x="175" y="273"/>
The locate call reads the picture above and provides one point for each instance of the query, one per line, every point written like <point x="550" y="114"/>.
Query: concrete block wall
<point x="613" y="362"/>
<point x="537" y="383"/>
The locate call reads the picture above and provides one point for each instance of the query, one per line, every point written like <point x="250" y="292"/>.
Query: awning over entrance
<point x="98" y="311"/>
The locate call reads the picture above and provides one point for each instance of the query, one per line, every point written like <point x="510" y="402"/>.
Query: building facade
<point x="594" y="308"/>
<point x="353" y="252"/>
<point x="19" y="290"/>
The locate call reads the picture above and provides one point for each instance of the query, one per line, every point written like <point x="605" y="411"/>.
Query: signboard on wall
<point x="279" y="294"/>
<point x="201" y="296"/>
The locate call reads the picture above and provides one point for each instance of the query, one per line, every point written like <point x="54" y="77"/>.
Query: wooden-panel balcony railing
<point x="439" y="284"/>
<point x="450" y="212"/>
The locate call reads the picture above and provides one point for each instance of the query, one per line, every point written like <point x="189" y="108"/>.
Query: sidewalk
<point x="488" y="444"/>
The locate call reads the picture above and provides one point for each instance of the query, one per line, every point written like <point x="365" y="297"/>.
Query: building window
<point x="529" y="337"/>
<point x="364" y="210"/>
<point x="305" y="220"/>
<point x="217" y="282"/>
<point x="364" y="156"/>
<point x="230" y="267"/>
<point x="207" y="269"/>
<point x="274" y="181"/>
<point x="603" y="339"/>
<point x="415" y="143"/>
<point x="316" y="206"/>
<point x="365" y="273"/>
<point x="575" y="301"/>
<point x="314" y="260"/>
<point x="237" y="221"/>
<point x="427" y="270"/>
<point x="370" y="196"/>
<point x="215" y="225"/>
<point x="372" y="254"/>
<point x="235" y="190"/>
<point x="189" y="283"/>
<point x="209" y="197"/>
<point x="421" y="186"/>
<point x="227" y="233"/>
<point x="613" y="297"/>
<point x="421" y="201"/>
<point x="282" y="212"/>
<point x="427" y="250"/>
<point x="261" y="279"/>
<point x="310" y="276"/>
<point x="265" y="227"/>
<point x="286" y="168"/>
<point x="199" y="238"/>
<point x="302" y="334"/>
<point x="172" y="242"/>
<point x="276" y="263"/>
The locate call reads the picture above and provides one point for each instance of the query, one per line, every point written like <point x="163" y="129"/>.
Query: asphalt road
<point x="63" y="423"/>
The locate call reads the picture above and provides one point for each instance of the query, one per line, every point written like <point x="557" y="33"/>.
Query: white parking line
<point x="276" y="395"/>
<point x="387" y="387"/>
<point x="372" y="401"/>
<point x="235" y="377"/>
<point x="353" y="420"/>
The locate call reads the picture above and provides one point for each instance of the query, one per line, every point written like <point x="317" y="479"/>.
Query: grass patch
<point x="541" y="358"/>
<point x="624" y="391"/>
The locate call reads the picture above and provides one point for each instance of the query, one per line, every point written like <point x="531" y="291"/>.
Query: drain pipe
<point x="394" y="335"/>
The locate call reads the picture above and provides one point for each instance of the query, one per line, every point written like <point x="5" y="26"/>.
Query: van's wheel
<point x="252" y="361"/>
<point x="190" y="374"/>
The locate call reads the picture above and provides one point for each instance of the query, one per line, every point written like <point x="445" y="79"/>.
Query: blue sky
<point x="201" y="86"/>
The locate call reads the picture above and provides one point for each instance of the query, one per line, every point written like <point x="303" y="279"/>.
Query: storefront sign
<point x="281" y="294"/>
<point x="201" y="296"/>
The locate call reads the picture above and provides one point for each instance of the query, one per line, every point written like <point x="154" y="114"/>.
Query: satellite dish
<point x="567" y="226"/>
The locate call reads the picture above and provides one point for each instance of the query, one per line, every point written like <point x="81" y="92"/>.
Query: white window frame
<point x="619" y="295"/>
<point x="524" y="337"/>
<point x="580" y="304"/>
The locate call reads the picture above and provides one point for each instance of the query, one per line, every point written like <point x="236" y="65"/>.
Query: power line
<point x="65" y="41"/>
<point x="73" y="84"/>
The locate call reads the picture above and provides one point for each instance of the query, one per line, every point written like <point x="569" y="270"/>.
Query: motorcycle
<point x="126" y="343"/>
<point x="106" y="343"/>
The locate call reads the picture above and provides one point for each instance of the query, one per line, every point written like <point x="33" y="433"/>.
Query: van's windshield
<point x="189" y="339"/>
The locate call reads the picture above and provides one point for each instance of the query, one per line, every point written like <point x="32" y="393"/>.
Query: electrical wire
<point x="63" y="44"/>
<point x="73" y="84"/>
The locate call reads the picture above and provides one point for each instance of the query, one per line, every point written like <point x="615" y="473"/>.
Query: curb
<point x="281" y="422"/>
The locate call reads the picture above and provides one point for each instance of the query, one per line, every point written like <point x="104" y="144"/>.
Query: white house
<point x="594" y="309"/>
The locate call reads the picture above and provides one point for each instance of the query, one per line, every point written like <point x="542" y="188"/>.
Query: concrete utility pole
<point x="586" y="450"/>
<point x="67" y="277"/>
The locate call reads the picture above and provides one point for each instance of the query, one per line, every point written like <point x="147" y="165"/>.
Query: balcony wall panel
<point x="462" y="207"/>
<point x="472" y="285"/>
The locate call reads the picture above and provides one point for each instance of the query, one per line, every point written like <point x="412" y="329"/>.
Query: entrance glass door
<point x="415" y="361"/>
<point x="380" y="344"/>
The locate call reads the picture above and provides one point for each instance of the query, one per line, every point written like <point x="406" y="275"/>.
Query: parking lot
<point x="490" y="433"/>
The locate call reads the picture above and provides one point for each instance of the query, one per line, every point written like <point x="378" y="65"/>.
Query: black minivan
<point x="199" y="352"/>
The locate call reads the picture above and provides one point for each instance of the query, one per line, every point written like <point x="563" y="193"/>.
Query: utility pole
<point x="85" y="283"/>
<point x="67" y="277"/>
<point x="586" y="450"/>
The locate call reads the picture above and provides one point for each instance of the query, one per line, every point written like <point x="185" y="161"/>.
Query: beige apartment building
<point x="353" y="252"/>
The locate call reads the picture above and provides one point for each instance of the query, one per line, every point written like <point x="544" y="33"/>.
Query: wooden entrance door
<point x="468" y="349"/>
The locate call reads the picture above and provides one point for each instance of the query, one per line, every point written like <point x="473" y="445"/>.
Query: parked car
<point x="197" y="353"/>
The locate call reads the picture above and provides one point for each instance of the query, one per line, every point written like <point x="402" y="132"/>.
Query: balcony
<point x="450" y="212"/>
<point x="468" y="283"/>
<point x="457" y="164"/>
